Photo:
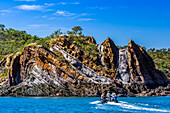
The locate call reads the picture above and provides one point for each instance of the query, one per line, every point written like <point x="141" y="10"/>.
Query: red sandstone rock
<point x="53" y="64"/>
<point x="110" y="53"/>
<point x="142" y="66"/>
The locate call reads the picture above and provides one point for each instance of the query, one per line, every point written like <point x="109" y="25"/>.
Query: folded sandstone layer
<point x="77" y="66"/>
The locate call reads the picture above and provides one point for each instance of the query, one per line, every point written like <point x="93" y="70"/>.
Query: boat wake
<point x="127" y="105"/>
<point x="95" y="102"/>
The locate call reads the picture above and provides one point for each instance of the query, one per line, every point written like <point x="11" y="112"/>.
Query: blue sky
<point x="147" y="22"/>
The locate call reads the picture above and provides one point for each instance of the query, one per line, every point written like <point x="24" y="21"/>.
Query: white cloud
<point x="85" y="19"/>
<point x="5" y="11"/>
<point x="49" y="4"/>
<point x="25" y="0"/>
<point x="62" y="3"/>
<point x="76" y="3"/>
<point x="64" y="13"/>
<point x="30" y="7"/>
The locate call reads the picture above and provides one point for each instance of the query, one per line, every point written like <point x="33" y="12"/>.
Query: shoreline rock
<point x="69" y="69"/>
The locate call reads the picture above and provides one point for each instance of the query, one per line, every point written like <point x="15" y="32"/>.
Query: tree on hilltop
<point x="77" y="30"/>
<point x="2" y="26"/>
<point x="58" y="32"/>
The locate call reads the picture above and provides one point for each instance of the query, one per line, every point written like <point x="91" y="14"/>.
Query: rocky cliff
<point x="142" y="66"/>
<point x="77" y="66"/>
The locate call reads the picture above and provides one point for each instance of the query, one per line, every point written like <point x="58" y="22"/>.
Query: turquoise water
<point x="84" y="105"/>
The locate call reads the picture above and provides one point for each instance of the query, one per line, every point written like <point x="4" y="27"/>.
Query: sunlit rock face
<point x="110" y="53"/>
<point x="81" y="68"/>
<point x="69" y="68"/>
<point x="109" y="56"/>
<point x="142" y="66"/>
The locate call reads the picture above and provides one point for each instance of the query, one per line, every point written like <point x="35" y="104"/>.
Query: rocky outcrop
<point x="89" y="56"/>
<point x="3" y="62"/>
<point x="14" y="70"/>
<point x="69" y="68"/>
<point x="142" y="66"/>
<point x="2" y="65"/>
<point x="41" y="66"/>
<point x="83" y="69"/>
<point x="91" y="40"/>
<point x="110" y="54"/>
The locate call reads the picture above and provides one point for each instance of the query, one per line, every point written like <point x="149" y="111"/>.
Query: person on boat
<point x="114" y="97"/>
<point x="103" y="98"/>
<point x="108" y="96"/>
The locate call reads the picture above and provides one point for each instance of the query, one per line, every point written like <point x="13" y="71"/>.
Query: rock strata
<point x="77" y="66"/>
<point x="142" y="66"/>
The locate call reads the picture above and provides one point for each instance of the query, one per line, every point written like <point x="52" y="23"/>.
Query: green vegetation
<point x="12" y="41"/>
<point x="55" y="34"/>
<point x="1" y="57"/>
<point x="161" y="58"/>
<point x="77" y="30"/>
<point x="90" y="48"/>
<point x="5" y="72"/>
<point x="81" y="41"/>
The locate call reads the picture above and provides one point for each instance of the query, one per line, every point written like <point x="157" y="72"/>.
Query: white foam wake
<point x="95" y="102"/>
<point x="129" y="106"/>
<point x="143" y="104"/>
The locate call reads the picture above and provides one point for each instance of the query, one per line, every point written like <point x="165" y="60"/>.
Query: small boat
<point x="103" y="101"/>
<point x="108" y="97"/>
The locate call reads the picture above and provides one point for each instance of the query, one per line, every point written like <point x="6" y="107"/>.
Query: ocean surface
<point x="84" y="105"/>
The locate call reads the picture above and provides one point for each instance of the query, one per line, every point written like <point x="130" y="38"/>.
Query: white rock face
<point x="39" y="76"/>
<point x="123" y="67"/>
<point x="81" y="68"/>
<point x="100" y="48"/>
